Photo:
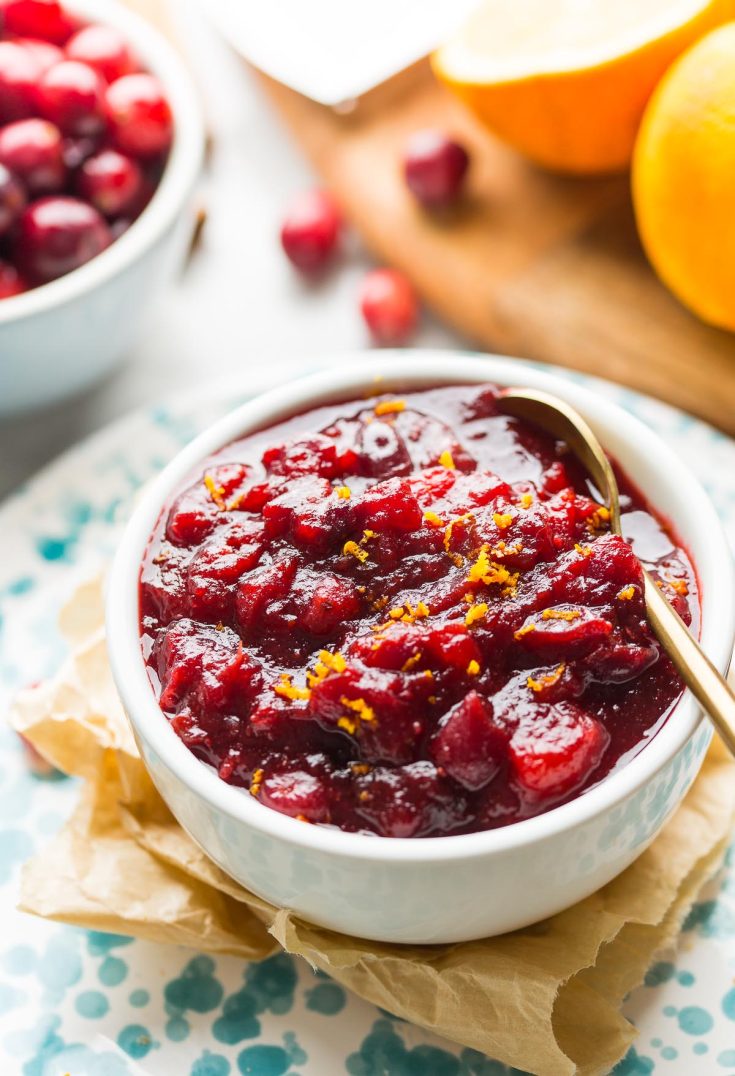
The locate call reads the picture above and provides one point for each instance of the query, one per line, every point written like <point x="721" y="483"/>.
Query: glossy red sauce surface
<point x="407" y="616"/>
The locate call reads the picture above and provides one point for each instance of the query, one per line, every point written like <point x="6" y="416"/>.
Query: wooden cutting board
<point x="530" y="264"/>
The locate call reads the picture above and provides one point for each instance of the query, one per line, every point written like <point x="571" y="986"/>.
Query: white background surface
<point x="239" y="303"/>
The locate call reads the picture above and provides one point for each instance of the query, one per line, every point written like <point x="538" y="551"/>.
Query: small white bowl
<point x="439" y="889"/>
<point x="60" y="337"/>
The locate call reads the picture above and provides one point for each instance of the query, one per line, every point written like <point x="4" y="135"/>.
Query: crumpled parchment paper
<point x="546" y="999"/>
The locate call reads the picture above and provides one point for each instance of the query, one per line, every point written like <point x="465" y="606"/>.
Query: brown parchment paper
<point x="546" y="999"/>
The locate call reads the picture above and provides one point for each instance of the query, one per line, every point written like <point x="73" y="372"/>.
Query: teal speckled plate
<point x="87" y="1004"/>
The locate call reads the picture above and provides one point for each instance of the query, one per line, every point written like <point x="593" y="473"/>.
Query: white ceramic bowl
<point x="439" y="889"/>
<point x="60" y="337"/>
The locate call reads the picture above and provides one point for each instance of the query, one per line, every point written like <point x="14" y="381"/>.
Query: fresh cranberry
<point x="434" y="167"/>
<point x="45" y="19"/>
<point x="310" y="230"/>
<point x="299" y="794"/>
<point x="139" y="115"/>
<point x="104" y="49"/>
<point x="71" y="95"/>
<point x="110" y="181"/>
<point x="389" y="306"/>
<point x="557" y="750"/>
<point x="44" y="53"/>
<point x="58" y="234"/>
<point x="468" y="746"/>
<point x="18" y="76"/>
<point x="12" y="199"/>
<point x="33" y="150"/>
<point x="11" y="282"/>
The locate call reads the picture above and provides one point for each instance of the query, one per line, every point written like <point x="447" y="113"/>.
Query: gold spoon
<point x="696" y="670"/>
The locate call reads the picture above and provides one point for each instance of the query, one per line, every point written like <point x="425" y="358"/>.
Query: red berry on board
<point x="434" y="167"/>
<point x="104" y="49"/>
<point x="389" y="306"/>
<point x="140" y="116"/>
<point x="33" y="150"/>
<point x="110" y="181"/>
<point x="71" y="95"/>
<point x="11" y="282"/>
<point x="12" y="199"/>
<point x="19" y="72"/>
<point x="58" y="234"/>
<point x="310" y="230"/>
<point x="45" y="19"/>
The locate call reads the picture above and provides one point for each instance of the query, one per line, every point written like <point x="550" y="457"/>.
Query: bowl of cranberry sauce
<point x="100" y="143"/>
<point x="368" y="630"/>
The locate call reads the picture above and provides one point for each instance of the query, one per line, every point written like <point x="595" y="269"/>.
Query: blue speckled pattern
<point x="88" y="1004"/>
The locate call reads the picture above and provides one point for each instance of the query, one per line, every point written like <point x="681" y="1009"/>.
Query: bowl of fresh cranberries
<point x="387" y="663"/>
<point x="101" y="140"/>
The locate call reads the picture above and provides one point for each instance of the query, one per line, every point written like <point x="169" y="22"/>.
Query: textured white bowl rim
<point x="366" y="373"/>
<point x="183" y="165"/>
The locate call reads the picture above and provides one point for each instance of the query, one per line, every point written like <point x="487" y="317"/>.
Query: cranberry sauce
<point x="407" y="617"/>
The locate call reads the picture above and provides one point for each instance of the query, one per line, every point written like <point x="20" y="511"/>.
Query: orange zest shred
<point x="326" y="663"/>
<point x="583" y="550"/>
<point x="287" y="690"/>
<point x="548" y="680"/>
<point x="526" y="500"/>
<point x="473" y="668"/>
<point x="353" y="549"/>
<point x="217" y="493"/>
<point x="347" y="724"/>
<point x="360" y="768"/>
<point x="679" y="585"/>
<point x="343" y="492"/>
<point x="600" y="516"/>
<point x="524" y="630"/>
<point x="561" y="614"/>
<point x="433" y="519"/>
<point x="502" y="520"/>
<point x="359" y="707"/>
<point x="489" y="572"/>
<point x="476" y="612"/>
<point x="256" y="782"/>
<point x="410" y="662"/>
<point x="626" y="593"/>
<point x="390" y="407"/>
<point x="407" y="613"/>
<point x="367" y="535"/>
<point x="446" y="460"/>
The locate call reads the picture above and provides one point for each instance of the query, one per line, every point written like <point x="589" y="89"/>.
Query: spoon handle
<point x="696" y="670"/>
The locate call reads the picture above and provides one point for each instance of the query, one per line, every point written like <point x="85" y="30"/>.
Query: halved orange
<point x="566" y="81"/>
